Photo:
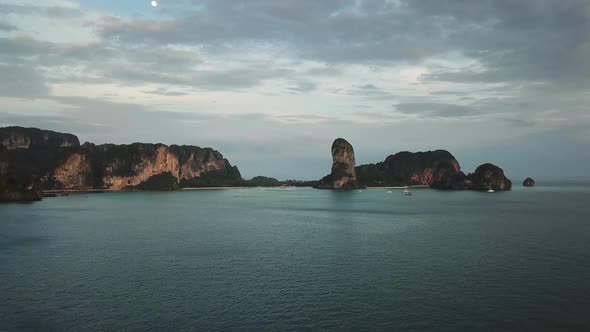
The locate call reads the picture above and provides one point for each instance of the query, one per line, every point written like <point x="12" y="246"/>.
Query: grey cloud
<point x="368" y="87"/>
<point x="306" y="118"/>
<point x="165" y="92"/>
<point x="105" y="62"/>
<point x="303" y="87"/>
<point x="436" y="110"/>
<point x="22" y="47"/>
<point x="323" y="71"/>
<point x="521" y="122"/>
<point x="373" y="115"/>
<point x="21" y="82"/>
<point x="518" y="41"/>
<point x="205" y="79"/>
<point x="49" y="11"/>
<point x="323" y="30"/>
<point x="6" y="26"/>
<point x="370" y="91"/>
<point x="515" y="41"/>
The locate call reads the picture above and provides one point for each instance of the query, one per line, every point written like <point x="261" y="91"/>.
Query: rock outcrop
<point x="162" y="182"/>
<point x="58" y="161"/>
<point x="408" y="168"/>
<point x="448" y="175"/>
<point x="263" y="181"/>
<point x="12" y="138"/>
<point x="489" y="176"/>
<point x="437" y="169"/>
<point x="122" y="166"/>
<point x="529" y="182"/>
<point x="18" y="189"/>
<point x="343" y="174"/>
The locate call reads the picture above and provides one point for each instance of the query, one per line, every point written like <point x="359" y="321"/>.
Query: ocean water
<point x="269" y="260"/>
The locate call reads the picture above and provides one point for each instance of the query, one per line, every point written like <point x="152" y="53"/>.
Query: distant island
<point x="436" y="169"/>
<point x="33" y="161"/>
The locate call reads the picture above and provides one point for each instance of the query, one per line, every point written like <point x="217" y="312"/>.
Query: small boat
<point x="491" y="190"/>
<point x="390" y="192"/>
<point x="407" y="192"/>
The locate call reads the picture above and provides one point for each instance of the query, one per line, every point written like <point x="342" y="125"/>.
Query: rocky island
<point x="56" y="161"/>
<point x="529" y="182"/>
<point x="14" y="189"/>
<point x="436" y="169"/>
<point x="343" y="175"/>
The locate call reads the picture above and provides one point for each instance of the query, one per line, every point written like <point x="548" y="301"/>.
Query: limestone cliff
<point x="75" y="172"/>
<point x="408" y="168"/>
<point x="489" y="176"/>
<point x="18" y="189"/>
<point x="437" y="169"/>
<point x="343" y="174"/>
<point x="197" y="163"/>
<point x="57" y="161"/>
<point x="485" y="177"/>
<point x="12" y="138"/>
<point x="448" y="175"/>
<point x="121" y="166"/>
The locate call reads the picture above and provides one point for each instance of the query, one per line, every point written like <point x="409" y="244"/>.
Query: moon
<point x="154" y="3"/>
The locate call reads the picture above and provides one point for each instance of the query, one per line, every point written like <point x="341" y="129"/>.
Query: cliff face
<point x="121" y="166"/>
<point x="485" y="177"/>
<point x="343" y="174"/>
<point x="18" y="189"/>
<point x="74" y="173"/>
<point x="437" y="169"/>
<point x="489" y="176"/>
<point x="407" y="168"/>
<point x="12" y="138"/>
<point x="448" y="175"/>
<point x="57" y="161"/>
<point x="195" y="161"/>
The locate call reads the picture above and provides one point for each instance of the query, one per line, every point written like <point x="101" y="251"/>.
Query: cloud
<point x="51" y="8"/>
<point x="532" y="41"/>
<point x="22" y="47"/>
<point x="303" y="87"/>
<point x="291" y="75"/>
<point x="21" y="82"/>
<point x="165" y="92"/>
<point x="436" y="110"/>
<point x="7" y="27"/>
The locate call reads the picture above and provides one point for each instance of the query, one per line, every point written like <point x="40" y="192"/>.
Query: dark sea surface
<point x="270" y="260"/>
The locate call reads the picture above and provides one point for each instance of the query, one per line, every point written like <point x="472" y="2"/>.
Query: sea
<point x="298" y="260"/>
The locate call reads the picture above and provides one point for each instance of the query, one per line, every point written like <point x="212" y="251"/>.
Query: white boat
<point x="407" y="192"/>
<point x="491" y="190"/>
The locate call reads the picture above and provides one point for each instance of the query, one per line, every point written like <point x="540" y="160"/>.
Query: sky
<point x="271" y="83"/>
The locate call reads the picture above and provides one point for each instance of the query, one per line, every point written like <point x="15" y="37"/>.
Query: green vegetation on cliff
<point x="262" y="181"/>
<point x="403" y="168"/>
<point x="18" y="189"/>
<point x="58" y="162"/>
<point x="228" y="177"/>
<point x="160" y="182"/>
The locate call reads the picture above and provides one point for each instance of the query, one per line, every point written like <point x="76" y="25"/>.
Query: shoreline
<point x="72" y="191"/>
<point x="55" y="191"/>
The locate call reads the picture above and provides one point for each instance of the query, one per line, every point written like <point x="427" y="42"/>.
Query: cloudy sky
<point x="271" y="83"/>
